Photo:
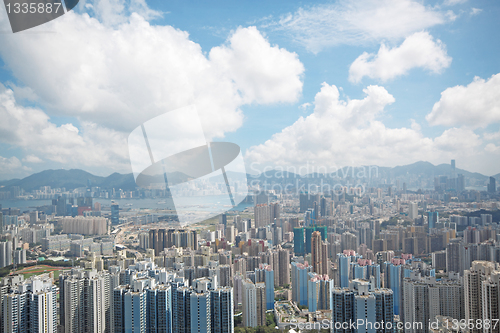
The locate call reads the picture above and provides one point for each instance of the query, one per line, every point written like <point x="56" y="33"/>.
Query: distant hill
<point x="69" y="179"/>
<point x="430" y="170"/>
<point x="425" y="169"/>
<point x="75" y="178"/>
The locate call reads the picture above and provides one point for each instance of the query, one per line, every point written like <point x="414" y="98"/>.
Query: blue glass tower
<point x="299" y="282"/>
<point x="266" y="274"/>
<point x="395" y="284"/>
<point x="432" y="218"/>
<point x="298" y="242"/>
<point x="344" y="267"/>
<point x="115" y="214"/>
<point x="269" y="276"/>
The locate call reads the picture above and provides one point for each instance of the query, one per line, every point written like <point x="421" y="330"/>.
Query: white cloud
<point x="114" y="12"/>
<point x="31" y="130"/>
<point x="32" y="159"/>
<point x="121" y="76"/>
<point x="475" y="11"/>
<point x="349" y="133"/>
<point x="491" y="148"/>
<point x="264" y="73"/>
<point x="475" y="105"/>
<point x="12" y="167"/>
<point x="454" y="2"/>
<point x="115" y="71"/>
<point x="458" y="139"/>
<point x="357" y="22"/>
<point x="451" y="15"/>
<point x="20" y="93"/>
<point x="417" y="51"/>
<point x="340" y="133"/>
<point x="491" y="136"/>
<point x="305" y="106"/>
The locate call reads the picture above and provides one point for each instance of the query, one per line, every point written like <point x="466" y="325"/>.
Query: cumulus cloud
<point x="475" y="11"/>
<point x="32" y="130"/>
<point x="340" y="133"/>
<point x="458" y="139"/>
<point x="12" y="167"/>
<point x="114" y="12"/>
<point x="120" y="76"/>
<point x="491" y="136"/>
<point x="264" y="73"/>
<point x="32" y="159"/>
<point x="357" y="22"/>
<point x="417" y="51"/>
<point x="350" y="133"/>
<point x="475" y="105"/>
<point x="454" y="2"/>
<point x="112" y="70"/>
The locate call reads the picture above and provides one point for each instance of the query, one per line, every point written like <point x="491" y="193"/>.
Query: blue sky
<point x="325" y="83"/>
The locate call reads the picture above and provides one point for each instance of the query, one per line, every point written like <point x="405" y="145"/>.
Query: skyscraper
<point x="319" y="289"/>
<point x="453" y="256"/>
<point x="491" y="300"/>
<point x="299" y="246"/>
<point x="159" y="314"/>
<point x="31" y="307"/>
<point x="200" y="312"/>
<point x="5" y="253"/>
<point x="308" y="235"/>
<point x="223" y="219"/>
<point x="181" y="310"/>
<point x="261" y="303"/>
<point x="284" y="267"/>
<point x="135" y="313"/>
<point x="479" y="281"/>
<point x="492" y="186"/>
<point x="222" y="310"/>
<point x="60" y="206"/>
<point x="425" y="298"/>
<point x="432" y="219"/>
<point x="393" y="275"/>
<point x="115" y="213"/>
<point x="307" y="200"/>
<point x="358" y="303"/>
<point x="319" y="254"/>
<point x="344" y="261"/>
<point x="254" y="304"/>
<point x="460" y="183"/>
<point x="299" y="282"/>
<point x="85" y="301"/>
<point x="266" y="274"/>
<point x="413" y="210"/>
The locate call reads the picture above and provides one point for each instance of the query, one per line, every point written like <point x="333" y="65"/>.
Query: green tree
<point x="270" y="320"/>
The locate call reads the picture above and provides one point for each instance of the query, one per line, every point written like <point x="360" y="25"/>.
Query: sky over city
<point x="293" y="83"/>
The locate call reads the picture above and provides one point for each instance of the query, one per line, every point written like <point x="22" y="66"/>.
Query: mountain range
<point x="75" y="178"/>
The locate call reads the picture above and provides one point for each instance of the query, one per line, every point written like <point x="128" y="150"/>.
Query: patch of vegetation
<point x="270" y="320"/>
<point x="392" y="221"/>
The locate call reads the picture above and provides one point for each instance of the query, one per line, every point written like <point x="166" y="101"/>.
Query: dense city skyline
<point x="249" y="167"/>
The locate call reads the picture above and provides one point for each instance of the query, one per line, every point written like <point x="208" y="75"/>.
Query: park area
<point x="39" y="269"/>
